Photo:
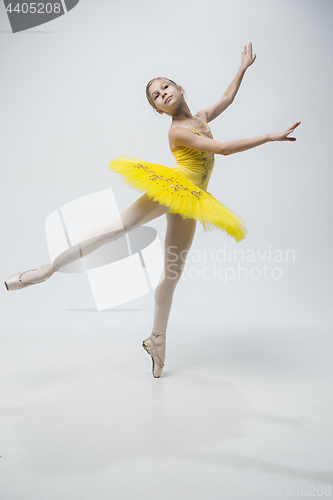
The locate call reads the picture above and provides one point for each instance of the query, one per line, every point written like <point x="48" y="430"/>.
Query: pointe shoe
<point x="15" y="283"/>
<point x="155" y="346"/>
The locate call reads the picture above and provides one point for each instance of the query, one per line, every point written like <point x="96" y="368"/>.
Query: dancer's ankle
<point x="38" y="275"/>
<point x="157" y="333"/>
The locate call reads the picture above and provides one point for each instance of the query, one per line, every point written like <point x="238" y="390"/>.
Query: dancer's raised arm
<point x="229" y="95"/>
<point x="184" y="137"/>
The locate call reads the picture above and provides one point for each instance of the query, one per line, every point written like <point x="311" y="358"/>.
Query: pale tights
<point x="179" y="236"/>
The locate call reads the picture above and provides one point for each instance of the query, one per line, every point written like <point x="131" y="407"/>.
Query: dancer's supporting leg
<point x="178" y="240"/>
<point x="140" y="212"/>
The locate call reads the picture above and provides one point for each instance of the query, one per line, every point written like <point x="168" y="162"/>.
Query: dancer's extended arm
<point x="184" y="137"/>
<point x="229" y="95"/>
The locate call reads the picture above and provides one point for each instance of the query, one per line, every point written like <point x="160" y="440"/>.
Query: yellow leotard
<point x="183" y="188"/>
<point x="197" y="166"/>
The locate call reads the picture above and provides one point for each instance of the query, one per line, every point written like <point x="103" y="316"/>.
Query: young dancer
<point x="179" y="192"/>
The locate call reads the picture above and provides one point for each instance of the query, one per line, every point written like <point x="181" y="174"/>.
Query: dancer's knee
<point x="115" y="234"/>
<point x="171" y="278"/>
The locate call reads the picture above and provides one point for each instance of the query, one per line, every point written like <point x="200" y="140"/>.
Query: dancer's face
<point x="166" y="95"/>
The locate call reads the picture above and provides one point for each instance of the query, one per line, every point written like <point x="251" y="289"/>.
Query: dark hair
<point x="151" y="102"/>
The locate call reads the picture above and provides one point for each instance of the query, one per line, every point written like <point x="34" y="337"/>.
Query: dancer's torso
<point x="196" y="165"/>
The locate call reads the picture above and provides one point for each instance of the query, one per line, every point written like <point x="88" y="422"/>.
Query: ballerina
<point x="179" y="192"/>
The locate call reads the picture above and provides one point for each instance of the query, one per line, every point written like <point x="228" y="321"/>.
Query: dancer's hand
<point x="283" y="136"/>
<point x="246" y="57"/>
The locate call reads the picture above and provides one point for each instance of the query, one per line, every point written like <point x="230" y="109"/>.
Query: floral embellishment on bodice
<point x="207" y="159"/>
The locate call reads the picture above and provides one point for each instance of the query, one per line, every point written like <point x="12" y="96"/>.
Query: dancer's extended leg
<point x="140" y="212"/>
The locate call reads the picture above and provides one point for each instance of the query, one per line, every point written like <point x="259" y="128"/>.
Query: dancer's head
<point x="159" y="89"/>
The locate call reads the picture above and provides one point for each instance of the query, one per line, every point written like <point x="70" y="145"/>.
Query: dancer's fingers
<point x="295" y="125"/>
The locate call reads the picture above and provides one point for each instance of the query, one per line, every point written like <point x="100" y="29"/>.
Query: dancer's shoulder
<point x="202" y="115"/>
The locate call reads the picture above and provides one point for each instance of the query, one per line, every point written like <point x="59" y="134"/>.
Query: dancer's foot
<point x="155" y="346"/>
<point x="26" y="278"/>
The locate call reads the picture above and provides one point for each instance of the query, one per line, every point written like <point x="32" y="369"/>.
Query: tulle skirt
<point x="173" y="189"/>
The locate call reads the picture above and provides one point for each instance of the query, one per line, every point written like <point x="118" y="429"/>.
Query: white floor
<point x="243" y="409"/>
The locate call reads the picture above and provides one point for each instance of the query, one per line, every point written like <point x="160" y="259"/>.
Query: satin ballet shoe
<point x="155" y="346"/>
<point x="15" y="283"/>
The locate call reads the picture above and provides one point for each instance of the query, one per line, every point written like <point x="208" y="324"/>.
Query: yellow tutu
<point x="173" y="189"/>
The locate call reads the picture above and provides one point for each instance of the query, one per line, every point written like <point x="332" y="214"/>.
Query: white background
<point x="72" y="97"/>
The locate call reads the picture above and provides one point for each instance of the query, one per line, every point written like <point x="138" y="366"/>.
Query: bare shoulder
<point x="174" y="134"/>
<point x="203" y="115"/>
